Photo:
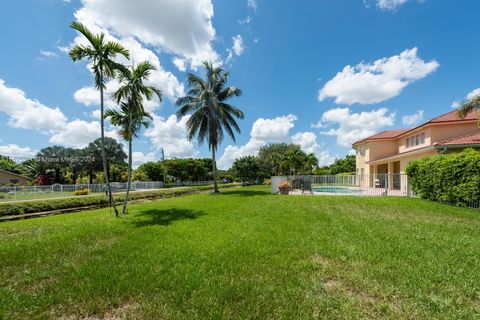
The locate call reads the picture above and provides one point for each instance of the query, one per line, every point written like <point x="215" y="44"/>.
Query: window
<point x="14" y="181"/>
<point x="414" y="141"/>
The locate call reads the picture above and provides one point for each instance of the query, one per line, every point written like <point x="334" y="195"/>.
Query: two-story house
<point x="389" y="152"/>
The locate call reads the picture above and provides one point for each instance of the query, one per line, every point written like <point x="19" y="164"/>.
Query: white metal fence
<point x="353" y="185"/>
<point x="17" y="193"/>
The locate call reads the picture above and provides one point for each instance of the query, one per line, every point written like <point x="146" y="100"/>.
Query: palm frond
<point x="468" y="106"/>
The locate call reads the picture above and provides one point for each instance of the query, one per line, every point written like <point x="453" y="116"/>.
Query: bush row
<point x="452" y="178"/>
<point x="19" y="208"/>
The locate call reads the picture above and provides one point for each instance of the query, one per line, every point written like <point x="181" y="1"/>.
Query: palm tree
<point x="131" y="117"/>
<point x="310" y="162"/>
<point x="101" y="54"/>
<point x="468" y="106"/>
<point x="130" y="122"/>
<point x="210" y="114"/>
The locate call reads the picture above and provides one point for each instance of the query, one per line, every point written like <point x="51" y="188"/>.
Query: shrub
<point x="267" y="182"/>
<point x="19" y="208"/>
<point x="81" y="192"/>
<point x="453" y="178"/>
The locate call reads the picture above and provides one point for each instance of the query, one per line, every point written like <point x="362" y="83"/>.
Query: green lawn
<point x="246" y="254"/>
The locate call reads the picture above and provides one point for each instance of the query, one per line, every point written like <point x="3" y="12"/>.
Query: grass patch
<point x="20" y="208"/>
<point x="246" y="254"/>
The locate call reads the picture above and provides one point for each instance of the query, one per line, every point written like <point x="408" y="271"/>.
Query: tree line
<point x="279" y="159"/>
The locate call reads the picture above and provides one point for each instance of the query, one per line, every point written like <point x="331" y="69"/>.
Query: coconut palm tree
<point x="101" y="54"/>
<point x="130" y="120"/>
<point x="310" y="162"/>
<point x="468" y="106"/>
<point x="211" y="115"/>
<point x="132" y="116"/>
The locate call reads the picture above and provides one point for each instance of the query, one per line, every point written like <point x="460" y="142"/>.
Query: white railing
<point x="16" y="193"/>
<point x="395" y="184"/>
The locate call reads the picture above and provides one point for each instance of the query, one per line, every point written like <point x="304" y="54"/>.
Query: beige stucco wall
<point x="433" y="133"/>
<point x="443" y="132"/>
<point x="6" y="179"/>
<point x="404" y="161"/>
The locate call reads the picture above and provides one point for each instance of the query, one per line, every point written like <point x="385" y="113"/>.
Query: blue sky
<point x="318" y="73"/>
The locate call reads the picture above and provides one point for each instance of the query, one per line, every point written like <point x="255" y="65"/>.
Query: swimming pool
<point x="332" y="189"/>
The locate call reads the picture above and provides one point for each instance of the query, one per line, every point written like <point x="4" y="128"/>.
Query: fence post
<point x="52" y="190"/>
<point x="61" y="189"/>
<point x="386" y="184"/>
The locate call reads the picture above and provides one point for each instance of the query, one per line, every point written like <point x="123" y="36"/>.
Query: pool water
<point x="329" y="189"/>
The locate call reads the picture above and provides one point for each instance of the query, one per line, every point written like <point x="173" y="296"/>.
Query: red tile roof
<point x="453" y="116"/>
<point x="469" y="139"/>
<point x="447" y="117"/>
<point x="387" y="134"/>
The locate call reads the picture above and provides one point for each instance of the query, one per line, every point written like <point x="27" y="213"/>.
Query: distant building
<point x="7" y="178"/>
<point x="389" y="152"/>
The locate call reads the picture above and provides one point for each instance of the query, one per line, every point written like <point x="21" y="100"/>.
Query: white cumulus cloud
<point x="351" y="127"/>
<point x="413" y="118"/>
<point x="28" y="113"/>
<point x="263" y="131"/>
<point x="139" y="158"/>
<point x="16" y="152"/>
<point x="308" y="143"/>
<point x="183" y="28"/>
<point x="472" y="94"/>
<point x="79" y="133"/>
<point x="171" y="135"/>
<point x="368" y="83"/>
<point x="391" y="5"/>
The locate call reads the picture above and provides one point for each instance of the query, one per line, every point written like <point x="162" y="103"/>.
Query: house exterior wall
<point x="434" y="132"/>
<point x="443" y="132"/>
<point x="7" y="178"/>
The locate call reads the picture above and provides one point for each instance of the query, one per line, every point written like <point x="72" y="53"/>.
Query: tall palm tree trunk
<point x="104" y="157"/>
<point x="214" y="172"/>
<point x="129" y="179"/>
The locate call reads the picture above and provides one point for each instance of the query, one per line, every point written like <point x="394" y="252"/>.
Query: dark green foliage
<point x="189" y="169"/>
<point x="212" y="116"/>
<point x="246" y="168"/>
<point x="453" y="178"/>
<point x="153" y="170"/>
<point x="270" y="158"/>
<point x="19" y="208"/>
<point x="346" y="166"/>
<point x="7" y="164"/>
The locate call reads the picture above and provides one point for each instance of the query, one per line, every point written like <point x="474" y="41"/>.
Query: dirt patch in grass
<point x="121" y="312"/>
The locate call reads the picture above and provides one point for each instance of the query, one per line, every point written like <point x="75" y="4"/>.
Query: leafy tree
<point x="270" y="158"/>
<point x="246" y="168"/>
<point x="294" y="161"/>
<point x="153" y="171"/>
<point x="310" y="162"/>
<point x="345" y="165"/>
<point x="7" y="164"/>
<point x="188" y="169"/>
<point x="132" y="115"/>
<point x="101" y="54"/>
<point x="211" y="114"/>
<point x="53" y="159"/>
<point x="114" y="151"/>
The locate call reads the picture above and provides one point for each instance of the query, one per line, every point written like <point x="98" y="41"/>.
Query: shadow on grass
<point x="165" y="217"/>
<point x="245" y="193"/>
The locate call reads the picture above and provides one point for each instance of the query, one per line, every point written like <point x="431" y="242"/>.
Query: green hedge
<point x="452" y="178"/>
<point x="19" y="208"/>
